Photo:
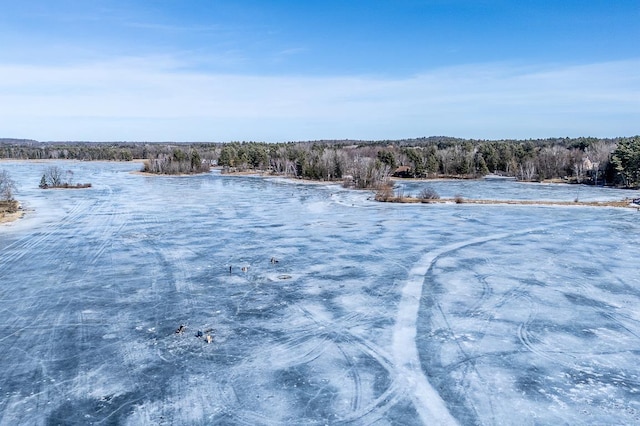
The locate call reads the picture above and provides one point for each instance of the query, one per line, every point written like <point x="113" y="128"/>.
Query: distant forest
<point x="365" y="164"/>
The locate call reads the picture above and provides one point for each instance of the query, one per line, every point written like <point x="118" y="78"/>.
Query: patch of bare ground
<point x="234" y="171"/>
<point x="67" y="186"/>
<point x="10" y="211"/>
<point x="458" y="200"/>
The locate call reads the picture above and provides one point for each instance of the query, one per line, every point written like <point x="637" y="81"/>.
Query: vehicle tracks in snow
<point x="427" y="401"/>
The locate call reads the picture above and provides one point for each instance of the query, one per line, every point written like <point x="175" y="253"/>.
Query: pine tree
<point x="626" y="159"/>
<point x="43" y="182"/>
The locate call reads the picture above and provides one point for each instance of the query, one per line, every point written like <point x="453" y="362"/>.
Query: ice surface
<point x="374" y="313"/>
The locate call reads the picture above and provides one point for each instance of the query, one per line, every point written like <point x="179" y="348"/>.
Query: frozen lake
<point x="375" y="313"/>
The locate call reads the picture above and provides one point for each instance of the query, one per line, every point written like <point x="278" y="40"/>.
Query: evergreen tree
<point x="626" y="159"/>
<point x="43" y="182"/>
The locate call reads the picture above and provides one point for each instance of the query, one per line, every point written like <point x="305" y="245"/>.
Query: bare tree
<point x="599" y="153"/>
<point x="579" y="169"/>
<point x="367" y="173"/>
<point x="527" y="171"/>
<point x="69" y="174"/>
<point x="428" y="193"/>
<point x="7" y="186"/>
<point x="552" y="161"/>
<point x="53" y="176"/>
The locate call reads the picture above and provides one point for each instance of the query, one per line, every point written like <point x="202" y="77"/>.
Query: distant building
<point x="403" y="172"/>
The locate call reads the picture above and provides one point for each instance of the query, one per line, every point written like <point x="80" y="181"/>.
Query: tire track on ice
<point x="375" y="409"/>
<point x="305" y="345"/>
<point x="427" y="401"/>
<point x="25" y="245"/>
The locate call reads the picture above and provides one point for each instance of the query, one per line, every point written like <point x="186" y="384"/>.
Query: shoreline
<point x="11" y="213"/>
<point x="448" y="178"/>
<point x="269" y="175"/>
<point x="627" y="203"/>
<point x="141" y="173"/>
<point x="7" y="216"/>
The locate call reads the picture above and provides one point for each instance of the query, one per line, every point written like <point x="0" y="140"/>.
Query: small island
<point x="428" y="195"/>
<point x="53" y="178"/>
<point x="459" y="200"/>
<point x="10" y="211"/>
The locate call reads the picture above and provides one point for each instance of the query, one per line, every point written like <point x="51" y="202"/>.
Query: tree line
<point x="365" y="164"/>
<point x="177" y="162"/>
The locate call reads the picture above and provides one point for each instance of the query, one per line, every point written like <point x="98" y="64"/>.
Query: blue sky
<point x="303" y="70"/>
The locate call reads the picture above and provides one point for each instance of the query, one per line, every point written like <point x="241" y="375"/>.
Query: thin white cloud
<point x="153" y="99"/>
<point x="171" y="28"/>
<point x="292" y="51"/>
